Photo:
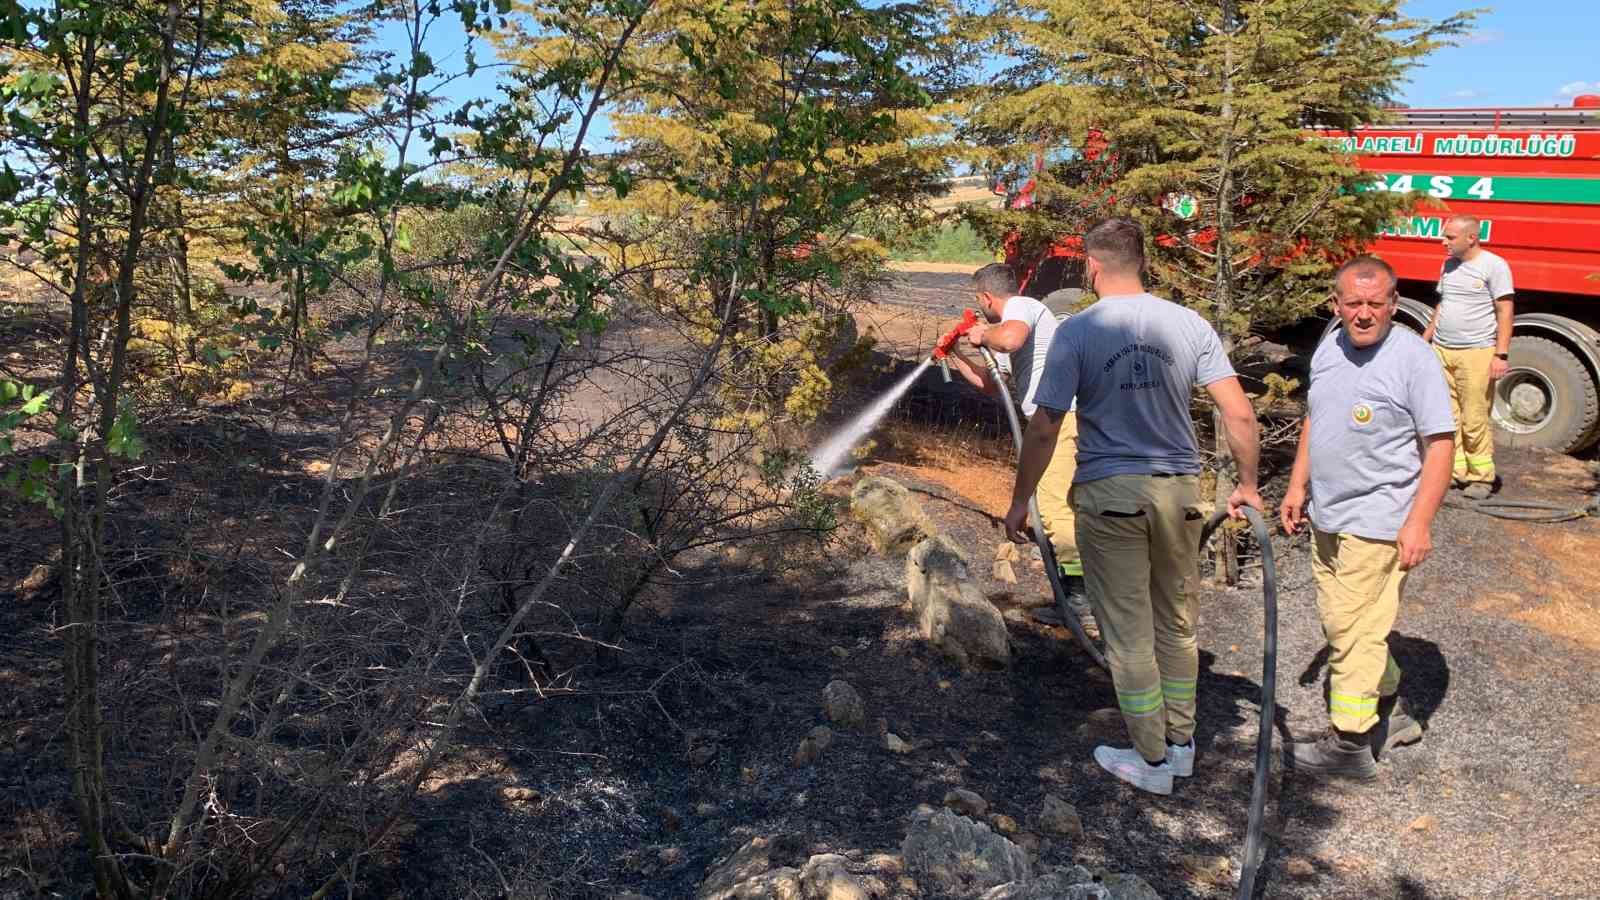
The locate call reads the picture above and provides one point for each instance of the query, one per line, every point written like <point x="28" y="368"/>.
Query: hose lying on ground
<point x="1253" y="851"/>
<point x="1046" y="552"/>
<point x="1527" y="510"/>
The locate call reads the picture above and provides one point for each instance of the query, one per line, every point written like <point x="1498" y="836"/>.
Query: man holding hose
<point x="1131" y="362"/>
<point x="1375" y="461"/>
<point x="1020" y="329"/>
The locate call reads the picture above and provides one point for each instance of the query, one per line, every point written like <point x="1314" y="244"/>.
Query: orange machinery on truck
<point x="1532" y="176"/>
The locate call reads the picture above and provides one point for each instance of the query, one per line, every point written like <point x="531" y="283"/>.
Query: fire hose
<point x="1253" y="850"/>
<point x="1528" y="510"/>
<point x="1047" y="553"/>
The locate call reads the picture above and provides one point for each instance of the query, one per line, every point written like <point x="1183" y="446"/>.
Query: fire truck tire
<point x="1063" y="302"/>
<point x="1547" y="399"/>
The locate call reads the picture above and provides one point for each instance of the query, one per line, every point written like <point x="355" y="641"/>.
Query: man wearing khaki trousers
<point x="1471" y="334"/>
<point x="1374" y="462"/>
<point x="1019" y="329"/>
<point x="1131" y="361"/>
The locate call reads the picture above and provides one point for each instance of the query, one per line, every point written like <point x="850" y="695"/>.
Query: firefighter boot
<point x="1337" y="754"/>
<point x="1395" y="727"/>
<point x="1078" y="604"/>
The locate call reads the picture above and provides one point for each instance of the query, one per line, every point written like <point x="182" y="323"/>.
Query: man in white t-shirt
<point x="1471" y="334"/>
<point x="1018" y="330"/>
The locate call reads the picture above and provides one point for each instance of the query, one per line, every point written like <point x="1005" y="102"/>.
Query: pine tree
<point x="1211" y="110"/>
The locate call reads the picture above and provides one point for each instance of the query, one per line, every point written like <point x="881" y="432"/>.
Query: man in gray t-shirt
<point x="1471" y="334"/>
<point x="1131" y="362"/>
<point x="1374" y="463"/>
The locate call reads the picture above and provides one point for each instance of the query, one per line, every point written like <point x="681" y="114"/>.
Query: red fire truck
<point x="1532" y="176"/>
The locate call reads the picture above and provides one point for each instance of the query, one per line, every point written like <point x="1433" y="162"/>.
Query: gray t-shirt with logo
<point x="1370" y="408"/>
<point x="1467" y="291"/>
<point x="1132" y="363"/>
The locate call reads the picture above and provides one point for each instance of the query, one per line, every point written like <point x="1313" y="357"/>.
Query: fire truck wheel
<point x="1547" y="398"/>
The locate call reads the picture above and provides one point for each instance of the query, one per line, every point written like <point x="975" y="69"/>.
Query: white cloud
<point x="1486" y="36"/>
<point x="1574" y="88"/>
<point x="1467" y="94"/>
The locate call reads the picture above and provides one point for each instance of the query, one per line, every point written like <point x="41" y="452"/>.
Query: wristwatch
<point x="1501" y="355"/>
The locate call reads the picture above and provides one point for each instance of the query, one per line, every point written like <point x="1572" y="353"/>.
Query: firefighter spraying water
<point x="829" y="459"/>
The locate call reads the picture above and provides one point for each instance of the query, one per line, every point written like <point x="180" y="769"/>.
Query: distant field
<point x="951" y="243"/>
<point x="961" y="192"/>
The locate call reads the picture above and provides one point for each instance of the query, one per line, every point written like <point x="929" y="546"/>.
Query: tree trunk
<point x="1223" y="291"/>
<point x="80" y="528"/>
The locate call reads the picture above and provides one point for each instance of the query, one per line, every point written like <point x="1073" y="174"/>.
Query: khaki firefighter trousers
<point x="1471" y="396"/>
<point x="1054" y="510"/>
<point x="1139" y="536"/>
<point x="1358" y="593"/>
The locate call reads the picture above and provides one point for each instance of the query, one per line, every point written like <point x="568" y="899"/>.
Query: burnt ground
<point x="607" y="787"/>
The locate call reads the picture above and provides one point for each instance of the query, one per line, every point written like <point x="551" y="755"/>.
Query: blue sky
<point x="1527" y="53"/>
<point x="1523" y="53"/>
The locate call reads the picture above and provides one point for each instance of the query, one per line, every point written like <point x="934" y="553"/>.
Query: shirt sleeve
<point x="1211" y="360"/>
<point x="1058" y="383"/>
<point x="1021" y="309"/>
<point x="1499" y="279"/>
<point x="1430" y="397"/>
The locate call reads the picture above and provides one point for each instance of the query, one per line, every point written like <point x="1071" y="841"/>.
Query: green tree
<point x="93" y="95"/>
<point x="699" y="131"/>
<point x="281" y="107"/>
<point x="1211" y="110"/>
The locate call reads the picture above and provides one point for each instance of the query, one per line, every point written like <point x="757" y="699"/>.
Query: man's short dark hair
<point x="1365" y="267"/>
<point x="998" y="279"/>
<point x="1117" y="245"/>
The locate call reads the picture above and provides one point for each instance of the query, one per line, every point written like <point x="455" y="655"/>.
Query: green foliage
<point x="946" y="242"/>
<point x="1210" y="108"/>
<point x="754" y="139"/>
<point x="28" y="400"/>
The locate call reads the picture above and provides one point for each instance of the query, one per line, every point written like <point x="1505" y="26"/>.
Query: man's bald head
<point x="1461" y="235"/>
<point x="1364" y="269"/>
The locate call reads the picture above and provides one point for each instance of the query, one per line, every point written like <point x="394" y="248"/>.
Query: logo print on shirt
<point x="1138" y="367"/>
<point x="1362" y="413"/>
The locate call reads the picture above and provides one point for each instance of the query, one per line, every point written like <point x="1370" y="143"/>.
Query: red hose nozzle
<point x="969" y="318"/>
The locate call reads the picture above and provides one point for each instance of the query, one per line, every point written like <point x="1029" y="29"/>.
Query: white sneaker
<point x="1129" y="766"/>
<point x="1182" y="759"/>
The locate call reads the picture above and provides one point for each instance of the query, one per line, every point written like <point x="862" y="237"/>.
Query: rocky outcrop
<point x="951" y="612"/>
<point x="827" y="876"/>
<point x="753" y="873"/>
<point x="1128" y="887"/>
<point x="842" y="704"/>
<point x="1057" y="816"/>
<point x="1063" y="884"/>
<point x="813" y="745"/>
<point x="958" y="856"/>
<point x="749" y="874"/>
<point x="894" y="520"/>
